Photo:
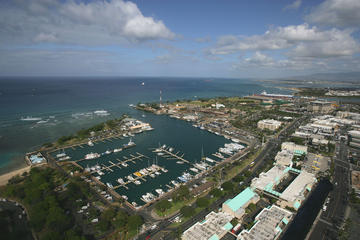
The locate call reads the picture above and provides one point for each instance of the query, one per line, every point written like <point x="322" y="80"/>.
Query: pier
<point x="171" y="155"/>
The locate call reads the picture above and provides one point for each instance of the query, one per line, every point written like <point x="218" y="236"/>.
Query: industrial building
<point x="292" y="147"/>
<point x="270" y="223"/>
<point x="236" y="206"/>
<point x="270" y="124"/>
<point x="214" y="227"/>
<point x="320" y="107"/>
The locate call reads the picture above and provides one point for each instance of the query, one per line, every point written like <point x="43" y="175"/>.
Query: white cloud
<point x="300" y="40"/>
<point x="72" y="22"/>
<point x="342" y="13"/>
<point x="45" y="37"/>
<point x="295" y="5"/>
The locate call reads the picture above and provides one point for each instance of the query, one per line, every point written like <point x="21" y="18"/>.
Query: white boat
<point x="109" y="185"/>
<point x="175" y="183"/>
<point x="137" y="182"/>
<point x="120" y="180"/>
<point x="107" y="152"/>
<point x="130" y="178"/>
<point x="124" y="197"/>
<point x="117" y="150"/>
<point x="171" y="149"/>
<point x="90" y="143"/>
<point x="129" y="144"/>
<point x="61" y="155"/>
<point x="125" y="135"/>
<point x="159" y="191"/>
<point x="134" y="204"/>
<point x="102" y="113"/>
<point x="131" y="135"/>
<point x="210" y="160"/>
<point x="194" y="170"/>
<point x="92" y="156"/>
<point x="164" y="170"/>
<point x="235" y="140"/>
<point x="180" y="162"/>
<point x="28" y="118"/>
<point x="64" y="158"/>
<point x="152" y="175"/>
<point x="157" y="173"/>
<point x="124" y="164"/>
<point x="160" y="153"/>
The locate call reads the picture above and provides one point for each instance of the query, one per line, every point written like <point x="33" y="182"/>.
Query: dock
<point x="171" y="155"/>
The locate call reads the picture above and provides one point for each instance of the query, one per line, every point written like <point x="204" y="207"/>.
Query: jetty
<point x="170" y="155"/>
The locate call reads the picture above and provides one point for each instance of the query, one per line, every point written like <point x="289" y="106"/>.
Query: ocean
<point x="67" y="104"/>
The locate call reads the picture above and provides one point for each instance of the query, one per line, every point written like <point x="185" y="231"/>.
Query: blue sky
<point x="256" y="39"/>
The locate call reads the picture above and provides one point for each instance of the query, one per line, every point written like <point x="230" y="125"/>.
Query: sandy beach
<point x="5" y="177"/>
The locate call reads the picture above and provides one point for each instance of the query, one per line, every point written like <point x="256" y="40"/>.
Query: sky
<point x="184" y="38"/>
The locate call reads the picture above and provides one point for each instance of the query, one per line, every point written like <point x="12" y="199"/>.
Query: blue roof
<point x="296" y="205"/>
<point x="241" y="199"/>
<point x="214" y="237"/>
<point x="285" y="220"/>
<point x="228" y="226"/>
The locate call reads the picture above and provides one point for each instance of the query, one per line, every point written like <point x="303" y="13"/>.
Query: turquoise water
<point x="61" y="100"/>
<point x="180" y="135"/>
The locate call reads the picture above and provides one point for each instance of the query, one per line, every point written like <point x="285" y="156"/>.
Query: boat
<point x="152" y="175"/>
<point x="92" y="156"/>
<point x="175" y="183"/>
<point x="130" y="178"/>
<point x="138" y="174"/>
<point x="109" y="185"/>
<point x="120" y="180"/>
<point x="124" y="197"/>
<point x="125" y="135"/>
<point x="61" y="155"/>
<point x="124" y="164"/>
<point x="194" y="170"/>
<point x="129" y="144"/>
<point x="90" y="143"/>
<point x="157" y="173"/>
<point x="180" y="162"/>
<point x="107" y="152"/>
<point x="210" y="160"/>
<point x="171" y="149"/>
<point x="164" y="170"/>
<point x="134" y="204"/>
<point x="131" y="135"/>
<point x="143" y="83"/>
<point x="235" y="140"/>
<point x="102" y="113"/>
<point x="117" y="150"/>
<point x="29" y="118"/>
<point x="160" y="153"/>
<point x="159" y="191"/>
<point x="137" y="182"/>
<point x="64" y="158"/>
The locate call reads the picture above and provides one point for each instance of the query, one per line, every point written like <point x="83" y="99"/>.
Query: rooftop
<point x="241" y="199"/>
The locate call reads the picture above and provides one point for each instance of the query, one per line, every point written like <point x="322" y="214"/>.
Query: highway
<point x="331" y="219"/>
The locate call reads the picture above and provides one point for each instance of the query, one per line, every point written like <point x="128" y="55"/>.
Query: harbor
<point x="142" y="166"/>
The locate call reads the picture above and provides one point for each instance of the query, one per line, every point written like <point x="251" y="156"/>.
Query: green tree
<point x="228" y="186"/>
<point x="134" y="222"/>
<point x="216" y="192"/>
<point x="163" y="205"/>
<point x="121" y="219"/>
<point x="202" y="202"/>
<point x="187" y="211"/>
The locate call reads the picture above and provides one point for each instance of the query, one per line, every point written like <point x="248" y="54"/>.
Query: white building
<point x="284" y="158"/>
<point x="292" y="147"/>
<point x="270" y="124"/>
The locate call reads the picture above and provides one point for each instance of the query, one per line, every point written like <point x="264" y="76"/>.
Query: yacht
<point x="137" y="182"/>
<point x="179" y="162"/>
<point x="109" y="185"/>
<point x="124" y="197"/>
<point x="159" y="191"/>
<point x="124" y="164"/>
<point x="152" y="175"/>
<point x="121" y="181"/>
<point x="194" y="170"/>
<point x="28" y="118"/>
<point x="107" y="152"/>
<point x="117" y="150"/>
<point x="92" y="156"/>
<point x="164" y="170"/>
<point x="90" y="143"/>
<point x="129" y="144"/>
<point x="61" y="155"/>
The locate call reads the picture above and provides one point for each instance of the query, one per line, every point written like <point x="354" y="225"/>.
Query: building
<point x="320" y="107"/>
<point x="270" y="124"/>
<point x="294" y="195"/>
<point x="354" y="138"/>
<point x="284" y="158"/>
<point x="236" y="206"/>
<point x="214" y="227"/>
<point x="292" y="147"/>
<point x="270" y="223"/>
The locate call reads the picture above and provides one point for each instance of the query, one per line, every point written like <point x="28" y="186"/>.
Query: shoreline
<point x="4" y="178"/>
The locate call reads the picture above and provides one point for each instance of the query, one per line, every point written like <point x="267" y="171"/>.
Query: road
<point x="331" y="219"/>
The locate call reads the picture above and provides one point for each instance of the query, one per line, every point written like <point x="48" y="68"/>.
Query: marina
<point x="140" y="169"/>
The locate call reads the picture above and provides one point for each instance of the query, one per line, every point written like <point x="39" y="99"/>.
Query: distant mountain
<point x="350" y="77"/>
